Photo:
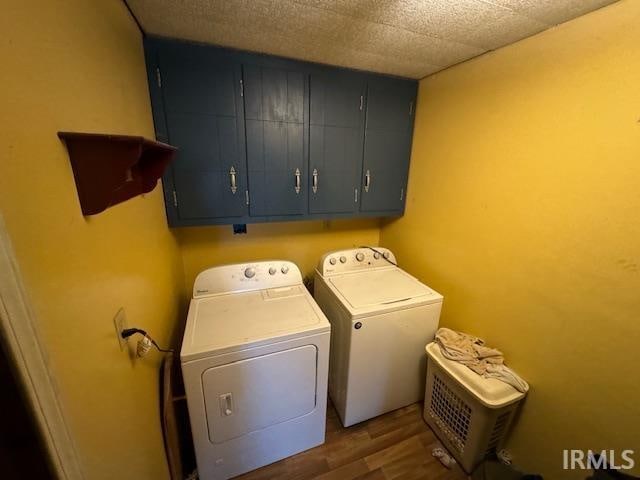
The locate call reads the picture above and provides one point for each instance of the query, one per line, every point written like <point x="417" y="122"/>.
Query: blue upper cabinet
<point x="199" y="88"/>
<point x="276" y="113"/>
<point x="335" y="141"/>
<point x="387" y="144"/>
<point x="262" y="138"/>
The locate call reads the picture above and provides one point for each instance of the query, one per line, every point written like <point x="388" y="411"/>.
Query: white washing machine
<point x="381" y="319"/>
<point x="254" y="358"/>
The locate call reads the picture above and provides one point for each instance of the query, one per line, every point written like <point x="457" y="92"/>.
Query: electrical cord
<point x="127" y="332"/>
<point x="379" y="253"/>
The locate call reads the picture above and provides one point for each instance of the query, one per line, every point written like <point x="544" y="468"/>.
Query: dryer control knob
<point x="284" y="269"/>
<point x="360" y="256"/>
<point x="250" y="272"/>
<point x="386" y="255"/>
<point x="272" y="271"/>
<point x="376" y="255"/>
<point x="343" y="259"/>
<point x="332" y="261"/>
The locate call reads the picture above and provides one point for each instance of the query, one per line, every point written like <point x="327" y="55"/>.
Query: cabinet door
<point x="201" y="91"/>
<point x="276" y="153"/>
<point x="335" y="141"/>
<point x="387" y="144"/>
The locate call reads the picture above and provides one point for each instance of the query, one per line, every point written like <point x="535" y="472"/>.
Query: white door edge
<point x="19" y="333"/>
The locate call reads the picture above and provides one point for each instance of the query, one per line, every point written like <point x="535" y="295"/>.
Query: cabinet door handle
<point x="297" y="175"/>
<point x="232" y="179"/>
<point x="314" y="183"/>
<point x="367" y="181"/>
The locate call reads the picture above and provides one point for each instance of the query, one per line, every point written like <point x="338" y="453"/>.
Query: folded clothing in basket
<point x="472" y="352"/>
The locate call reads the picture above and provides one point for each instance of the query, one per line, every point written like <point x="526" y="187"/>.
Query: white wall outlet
<point x="120" y="322"/>
<point x="505" y="456"/>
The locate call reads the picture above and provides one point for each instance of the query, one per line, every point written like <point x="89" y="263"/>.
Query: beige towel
<point x="472" y="352"/>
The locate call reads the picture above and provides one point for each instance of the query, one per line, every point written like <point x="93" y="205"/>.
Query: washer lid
<point x="380" y="287"/>
<point x="221" y="323"/>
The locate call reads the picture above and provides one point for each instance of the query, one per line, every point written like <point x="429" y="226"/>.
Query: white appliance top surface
<point x="379" y="287"/>
<point x="367" y="281"/>
<point x="222" y="322"/>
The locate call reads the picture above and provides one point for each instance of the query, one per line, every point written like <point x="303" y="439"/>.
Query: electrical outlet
<point x="120" y="322"/>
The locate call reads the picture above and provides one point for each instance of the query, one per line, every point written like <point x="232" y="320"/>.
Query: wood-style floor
<point x="393" y="446"/>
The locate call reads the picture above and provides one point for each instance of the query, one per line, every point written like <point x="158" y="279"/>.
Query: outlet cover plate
<point x="120" y="322"/>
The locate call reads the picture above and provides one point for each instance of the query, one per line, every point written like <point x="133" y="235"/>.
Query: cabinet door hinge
<point x="159" y="77"/>
<point x="175" y="199"/>
<point x="246" y="194"/>
<point x="241" y="88"/>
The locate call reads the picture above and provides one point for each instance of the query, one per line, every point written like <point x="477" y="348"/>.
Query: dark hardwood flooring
<point x="396" y="446"/>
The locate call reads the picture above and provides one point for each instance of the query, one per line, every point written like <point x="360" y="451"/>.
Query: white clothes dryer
<point x="254" y="359"/>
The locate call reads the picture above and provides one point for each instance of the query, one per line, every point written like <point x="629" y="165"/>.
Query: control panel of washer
<point x="356" y="259"/>
<point x="246" y="276"/>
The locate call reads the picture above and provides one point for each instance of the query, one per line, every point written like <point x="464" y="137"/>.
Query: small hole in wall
<point x="239" y="228"/>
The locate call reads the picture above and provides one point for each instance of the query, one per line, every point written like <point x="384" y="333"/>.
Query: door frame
<point x="20" y="336"/>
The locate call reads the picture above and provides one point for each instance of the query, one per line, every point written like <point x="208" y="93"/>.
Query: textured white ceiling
<point x="410" y="38"/>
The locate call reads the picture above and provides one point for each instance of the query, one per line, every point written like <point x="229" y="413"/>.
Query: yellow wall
<point x="523" y="210"/>
<point x="63" y="74"/>
<point x="79" y="66"/>
<point x="301" y="242"/>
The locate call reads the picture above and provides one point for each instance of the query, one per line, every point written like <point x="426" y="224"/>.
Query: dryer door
<point x="252" y="394"/>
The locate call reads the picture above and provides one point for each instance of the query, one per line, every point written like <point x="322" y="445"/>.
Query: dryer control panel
<point x="243" y="277"/>
<point x="356" y="259"/>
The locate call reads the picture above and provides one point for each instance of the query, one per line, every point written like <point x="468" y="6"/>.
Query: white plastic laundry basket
<point x="470" y="414"/>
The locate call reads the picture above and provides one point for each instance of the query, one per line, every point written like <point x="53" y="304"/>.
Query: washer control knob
<point x="376" y="255"/>
<point x="360" y="256"/>
<point x="343" y="259"/>
<point x="250" y="272"/>
<point x="272" y="271"/>
<point x="386" y="255"/>
<point x="332" y="261"/>
<point x="284" y="269"/>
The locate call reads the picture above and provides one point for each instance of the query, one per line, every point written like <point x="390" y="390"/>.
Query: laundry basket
<point x="470" y="414"/>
